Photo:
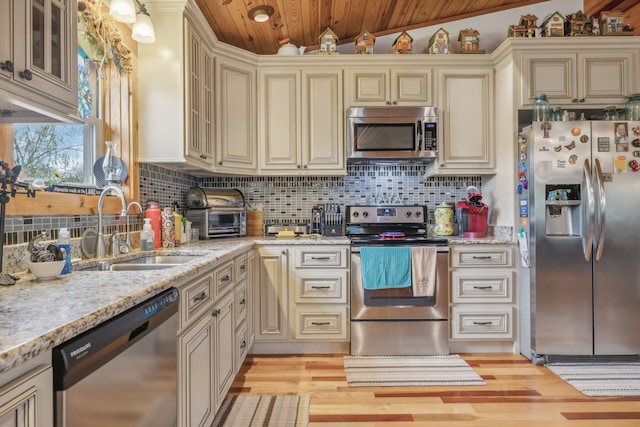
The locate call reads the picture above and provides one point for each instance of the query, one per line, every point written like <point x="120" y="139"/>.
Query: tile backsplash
<point x="284" y="199"/>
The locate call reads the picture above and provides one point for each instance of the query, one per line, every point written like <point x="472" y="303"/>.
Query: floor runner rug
<point x="600" y="379"/>
<point x="247" y="410"/>
<point x="390" y="371"/>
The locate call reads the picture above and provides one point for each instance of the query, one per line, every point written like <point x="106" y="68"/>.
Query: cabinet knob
<point x="582" y="100"/>
<point x="26" y="74"/>
<point x="7" y="65"/>
<point x="298" y="166"/>
<point x="574" y="100"/>
<point x="219" y="163"/>
<point x="216" y="312"/>
<point x="395" y="102"/>
<point x="388" y="103"/>
<point x="304" y="167"/>
<point x="283" y="252"/>
<point x="442" y="165"/>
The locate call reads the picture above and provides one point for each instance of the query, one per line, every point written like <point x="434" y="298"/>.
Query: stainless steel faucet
<point x="101" y="247"/>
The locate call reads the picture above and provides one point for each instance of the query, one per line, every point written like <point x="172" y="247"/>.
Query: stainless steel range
<point x="389" y="318"/>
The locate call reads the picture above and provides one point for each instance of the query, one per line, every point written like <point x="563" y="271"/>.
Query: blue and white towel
<point x="385" y="267"/>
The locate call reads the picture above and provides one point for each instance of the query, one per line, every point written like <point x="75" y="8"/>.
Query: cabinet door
<point x="28" y="401"/>
<point x="322" y="121"/>
<point x="196" y="377"/>
<point x="466" y="109"/>
<point x="250" y="293"/>
<point x="605" y="77"/>
<point x="368" y="87"/>
<point x="411" y="87"/>
<point x="6" y="38"/>
<point x="551" y="74"/>
<point x="279" y="124"/>
<point x="200" y="83"/>
<point x="45" y="48"/>
<point x="272" y="299"/>
<point x="224" y="348"/>
<point x="236" y="137"/>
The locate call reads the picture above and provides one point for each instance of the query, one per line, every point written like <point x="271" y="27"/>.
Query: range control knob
<point x="365" y="214"/>
<point x="355" y="214"/>
<point x="407" y="214"/>
<point x="418" y="214"/>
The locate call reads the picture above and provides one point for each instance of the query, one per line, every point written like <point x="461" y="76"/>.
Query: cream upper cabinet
<point x="465" y="109"/>
<point x="601" y="78"/>
<point x="374" y="87"/>
<point x="301" y="122"/>
<point x="38" y="51"/>
<point x="176" y="97"/>
<point x="235" y="117"/>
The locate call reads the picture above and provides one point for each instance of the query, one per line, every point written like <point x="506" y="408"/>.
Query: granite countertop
<point x="36" y="316"/>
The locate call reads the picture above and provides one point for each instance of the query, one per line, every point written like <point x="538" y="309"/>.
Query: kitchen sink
<point x="145" y="263"/>
<point x="125" y="266"/>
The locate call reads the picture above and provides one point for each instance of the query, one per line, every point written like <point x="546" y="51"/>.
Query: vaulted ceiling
<point x="302" y="21"/>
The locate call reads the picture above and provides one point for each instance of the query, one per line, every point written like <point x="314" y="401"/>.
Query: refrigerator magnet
<point x="620" y="164"/>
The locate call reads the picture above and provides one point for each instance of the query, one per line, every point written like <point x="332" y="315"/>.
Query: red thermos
<point x="154" y="212"/>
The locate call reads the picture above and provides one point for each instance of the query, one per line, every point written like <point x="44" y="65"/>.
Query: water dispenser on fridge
<point x="562" y="210"/>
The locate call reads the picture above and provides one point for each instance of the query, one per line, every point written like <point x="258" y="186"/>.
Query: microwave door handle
<point x="419" y="131"/>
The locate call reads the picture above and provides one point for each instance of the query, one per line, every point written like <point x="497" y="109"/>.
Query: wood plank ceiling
<point x="303" y="21"/>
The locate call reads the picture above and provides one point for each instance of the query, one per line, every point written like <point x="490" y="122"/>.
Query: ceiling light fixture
<point x="261" y="13"/>
<point x="134" y="12"/>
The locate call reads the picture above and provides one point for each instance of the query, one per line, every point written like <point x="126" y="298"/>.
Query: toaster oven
<point x="216" y="212"/>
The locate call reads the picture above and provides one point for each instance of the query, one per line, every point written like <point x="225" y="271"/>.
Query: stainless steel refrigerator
<point x="580" y="189"/>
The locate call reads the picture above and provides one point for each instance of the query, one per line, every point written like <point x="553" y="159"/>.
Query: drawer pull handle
<point x="243" y="344"/>
<point x="216" y="312"/>
<point x="243" y="267"/>
<point x="482" y="287"/>
<point x="482" y="257"/>
<point x="201" y="296"/>
<point x="320" y="323"/>
<point x="483" y="323"/>
<point x="321" y="258"/>
<point x="225" y="278"/>
<point x="243" y="301"/>
<point x="320" y="287"/>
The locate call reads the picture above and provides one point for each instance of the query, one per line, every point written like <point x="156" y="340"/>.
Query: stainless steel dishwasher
<point x="123" y="372"/>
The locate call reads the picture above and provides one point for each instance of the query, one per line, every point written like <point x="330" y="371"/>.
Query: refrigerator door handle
<point x="602" y="203"/>
<point x="588" y="211"/>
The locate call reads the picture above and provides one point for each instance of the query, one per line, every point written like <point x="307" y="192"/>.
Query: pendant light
<point x="123" y="11"/>
<point x="142" y="30"/>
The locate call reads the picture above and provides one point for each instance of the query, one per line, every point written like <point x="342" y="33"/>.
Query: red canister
<point x="154" y="212"/>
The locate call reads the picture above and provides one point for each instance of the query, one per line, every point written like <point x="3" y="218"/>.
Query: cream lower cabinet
<point x="301" y="122"/>
<point x="395" y="86"/>
<point x="483" y="315"/>
<point x="302" y="301"/>
<point x="27" y="400"/>
<point x="465" y="108"/>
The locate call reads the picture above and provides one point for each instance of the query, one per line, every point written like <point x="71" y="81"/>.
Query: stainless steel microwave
<point x="392" y="133"/>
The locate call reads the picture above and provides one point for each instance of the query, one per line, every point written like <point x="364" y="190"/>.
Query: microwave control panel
<point x="430" y="140"/>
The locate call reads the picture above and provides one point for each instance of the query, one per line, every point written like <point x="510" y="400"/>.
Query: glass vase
<point x="541" y="109"/>
<point x="632" y="108"/>
<point x="112" y="165"/>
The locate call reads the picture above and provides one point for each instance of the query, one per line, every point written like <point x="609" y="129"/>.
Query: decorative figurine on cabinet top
<point x="328" y="41"/>
<point x="580" y="24"/>
<point x="612" y="24"/>
<point x="469" y="41"/>
<point x="364" y="43"/>
<point x="526" y="27"/>
<point x="439" y="42"/>
<point x="403" y="43"/>
<point x="553" y="25"/>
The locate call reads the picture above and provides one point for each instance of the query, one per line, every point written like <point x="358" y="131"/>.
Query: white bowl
<point x="46" y="270"/>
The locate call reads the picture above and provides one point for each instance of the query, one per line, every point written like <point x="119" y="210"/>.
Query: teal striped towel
<point x="385" y="267"/>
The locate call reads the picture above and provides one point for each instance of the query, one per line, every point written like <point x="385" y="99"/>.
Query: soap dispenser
<point x="64" y="242"/>
<point x="147" y="236"/>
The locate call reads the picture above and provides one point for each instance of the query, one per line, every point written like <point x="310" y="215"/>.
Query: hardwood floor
<point x="517" y="394"/>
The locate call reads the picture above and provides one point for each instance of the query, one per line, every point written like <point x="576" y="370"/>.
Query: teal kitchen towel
<point x="385" y="267"/>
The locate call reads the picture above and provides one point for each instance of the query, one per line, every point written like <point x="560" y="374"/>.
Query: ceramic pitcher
<point x="444" y="220"/>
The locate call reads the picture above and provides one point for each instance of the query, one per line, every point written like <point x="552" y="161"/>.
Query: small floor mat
<point x="600" y="379"/>
<point x="249" y="410"/>
<point x="390" y="371"/>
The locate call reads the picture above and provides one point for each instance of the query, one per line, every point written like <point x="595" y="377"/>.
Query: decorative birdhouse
<point x="553" y="25"/>
<point x="439" y="42"/>
<point x="469" y="41"/>
<point x="612" y="24"/>
<point x="402" y="43"/>
<point x="327" y="42"/>
<point x="364" y="43"/>
<point x="526" y="27"/>
<point x="579" y="24"/>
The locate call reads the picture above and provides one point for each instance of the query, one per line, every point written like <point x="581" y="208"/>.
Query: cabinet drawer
<point x="321" y="286"/>
<point x="319" y="257"/>
<point x="484" y="255"/>
<point x="223" y="278"/>
<point x="241" y="345"/>
<point x="241" y="301"/>
<point x="482" y="285"/>
<point x="482" y="322"/>
<point x="195" y="298"/>
<point x="321" y="323"/>
<point x="241" y="267"/>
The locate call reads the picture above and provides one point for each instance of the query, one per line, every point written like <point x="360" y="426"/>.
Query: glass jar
<point x="610" y="113"/>
<point x="556" y="114"/>
<point x="541" y="109"/>
<point x="112" y="166"/>
<point x="632" y="107"/>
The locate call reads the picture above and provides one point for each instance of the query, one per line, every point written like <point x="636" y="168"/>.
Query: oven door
<point x="399" y="304"/>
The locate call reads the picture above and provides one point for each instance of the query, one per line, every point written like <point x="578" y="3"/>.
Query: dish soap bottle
<point x="64" y="242"/>
<point x="147" y="240"/>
